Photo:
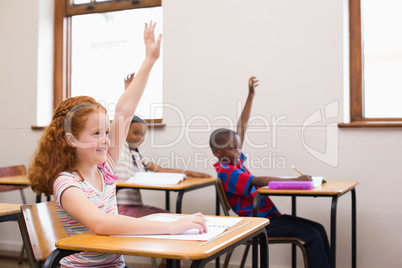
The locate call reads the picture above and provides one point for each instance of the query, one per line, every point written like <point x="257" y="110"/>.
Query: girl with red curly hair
<point x="75" y="163"/>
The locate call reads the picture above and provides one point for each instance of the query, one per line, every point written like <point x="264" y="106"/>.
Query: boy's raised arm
<point x="245" y="115"/>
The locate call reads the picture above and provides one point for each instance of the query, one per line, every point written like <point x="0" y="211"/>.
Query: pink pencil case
<point x="299" y="185"/>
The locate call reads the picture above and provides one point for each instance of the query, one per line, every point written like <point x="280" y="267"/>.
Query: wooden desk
<point x="199" y="252"/>
<point x="187" y="185"/>
<point x="9" y="212"/>
<point x="334" y="189"/>
<point x="20" y="180"/>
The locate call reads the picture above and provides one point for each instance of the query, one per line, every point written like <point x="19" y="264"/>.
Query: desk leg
<point x="262" y="241"/>
<point x="218" y="200"/>
<point x="179" y="201"/>
<point x="353" y="228"/>
<point x="167" y="200"/>
<point x="294" y="256"/>
<point x="172" y="263"/>
<point x="264" y="251"/>
<point x="333" y="231"/>
<point x="256" y="205"/>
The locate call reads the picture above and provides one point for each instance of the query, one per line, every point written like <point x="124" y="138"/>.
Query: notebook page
<point x="156" y="178"/>
<point x="215" y="226"/>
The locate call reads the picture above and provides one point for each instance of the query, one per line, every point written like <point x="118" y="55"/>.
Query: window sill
<point x="370" y="124"/>
<point x="150" y="125"/>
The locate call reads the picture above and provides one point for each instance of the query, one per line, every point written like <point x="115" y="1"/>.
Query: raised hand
<point x="128" y="79"/>
<point x="152" y="47"/>
<point x="252" y="84"/>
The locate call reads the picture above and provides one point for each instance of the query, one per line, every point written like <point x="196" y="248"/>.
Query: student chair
<point x="40" y="229"/>
<point x="271" y="240"/>
<point x="14" y="171"/>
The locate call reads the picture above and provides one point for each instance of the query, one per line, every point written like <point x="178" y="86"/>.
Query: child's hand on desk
<point x="304" y="178"/>
<point x="194" y="174"/>
<point x="195" y="221"/>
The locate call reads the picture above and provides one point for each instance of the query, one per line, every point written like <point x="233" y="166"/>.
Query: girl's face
<point x="136" y="134"/>
<point x="93" y="141"/>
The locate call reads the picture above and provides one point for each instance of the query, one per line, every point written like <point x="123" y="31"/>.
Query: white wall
<point x="296" y="49"/>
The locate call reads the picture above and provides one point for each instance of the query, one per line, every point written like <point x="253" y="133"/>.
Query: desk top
<point x="15" y="180"/>
<point x="9" y="209"/>
<point x="163" y="248"/>
<point x="187" y="183"/>
<point x="330" y="188"/>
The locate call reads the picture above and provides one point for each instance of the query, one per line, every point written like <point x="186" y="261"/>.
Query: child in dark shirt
<point x="241" y="187"/>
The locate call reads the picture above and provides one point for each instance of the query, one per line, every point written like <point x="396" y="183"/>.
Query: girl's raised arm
<point x="129" y="100"/>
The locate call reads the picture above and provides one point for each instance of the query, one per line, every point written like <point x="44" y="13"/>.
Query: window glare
<point x="106" y="47"/>
<point x="382" y="48"/>
<point x="80" y="2"/>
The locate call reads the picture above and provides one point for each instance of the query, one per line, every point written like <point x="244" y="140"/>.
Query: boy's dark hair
<point x="219" y="137"/>
<point x="137" y="119"/>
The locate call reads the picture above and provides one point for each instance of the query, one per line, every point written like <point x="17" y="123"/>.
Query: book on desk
<point x="156" y="178"/>
<point x="215" y="227"/>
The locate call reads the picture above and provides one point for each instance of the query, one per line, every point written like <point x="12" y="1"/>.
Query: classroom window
<point x="101" y="42"/>
<point x="375" y="62"/>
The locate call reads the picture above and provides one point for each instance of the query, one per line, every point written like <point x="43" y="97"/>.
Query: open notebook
<point x="156" y="178"/>
<point x="215" y="225"/>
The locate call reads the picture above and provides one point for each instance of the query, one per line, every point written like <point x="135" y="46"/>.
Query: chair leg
<point x="227" y="259"/>
<point x="244" y="258"/>
<point x="24" y="201"/>
<point x="153" y="260"/>
<point x="305" y="258"/>
<point x="21" y="255"/>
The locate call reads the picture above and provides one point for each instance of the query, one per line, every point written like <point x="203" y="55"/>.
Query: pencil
<point x="298" y="171"/>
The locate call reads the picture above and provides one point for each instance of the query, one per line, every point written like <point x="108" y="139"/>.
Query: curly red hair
<point x="54" y="154"/>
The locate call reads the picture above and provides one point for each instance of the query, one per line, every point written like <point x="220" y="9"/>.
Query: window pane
<point x="108" y="46"/>
<point x="79" y="2"/>
<point x="382" y="48"/>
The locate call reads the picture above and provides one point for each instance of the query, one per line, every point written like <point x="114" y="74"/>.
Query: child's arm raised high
<point x="129" y="100"/>
<point x="245" y="115"/>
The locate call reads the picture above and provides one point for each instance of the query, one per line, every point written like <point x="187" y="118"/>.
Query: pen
<point x="298" y="171"/>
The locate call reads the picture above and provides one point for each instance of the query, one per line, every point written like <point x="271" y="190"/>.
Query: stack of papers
<point x="215" y="226"/>
<point x="156" y="178"/>
<point x="318" y="181"/>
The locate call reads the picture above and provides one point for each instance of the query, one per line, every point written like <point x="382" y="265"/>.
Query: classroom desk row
<point x="333" y="189"/>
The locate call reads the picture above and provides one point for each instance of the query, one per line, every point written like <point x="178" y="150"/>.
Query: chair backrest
<point x="40" y="229"/>
<point x="223" y="200"/>
<point x="12" y="171"/>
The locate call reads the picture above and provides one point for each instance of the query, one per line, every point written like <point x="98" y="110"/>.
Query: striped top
<point x="240" y="192"/>
<point x="129" y="163"/>
<point x="105" y="201"/>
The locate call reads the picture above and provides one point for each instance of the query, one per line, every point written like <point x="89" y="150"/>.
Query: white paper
<point x="156" y="178"/>
<point x="215" y="226"/>
<point x="317" y="181"/>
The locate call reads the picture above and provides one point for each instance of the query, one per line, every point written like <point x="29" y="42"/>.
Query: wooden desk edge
<point x="207" y="250"/>
<point x="179" y="186"/>
<point x="315" y="191"/>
